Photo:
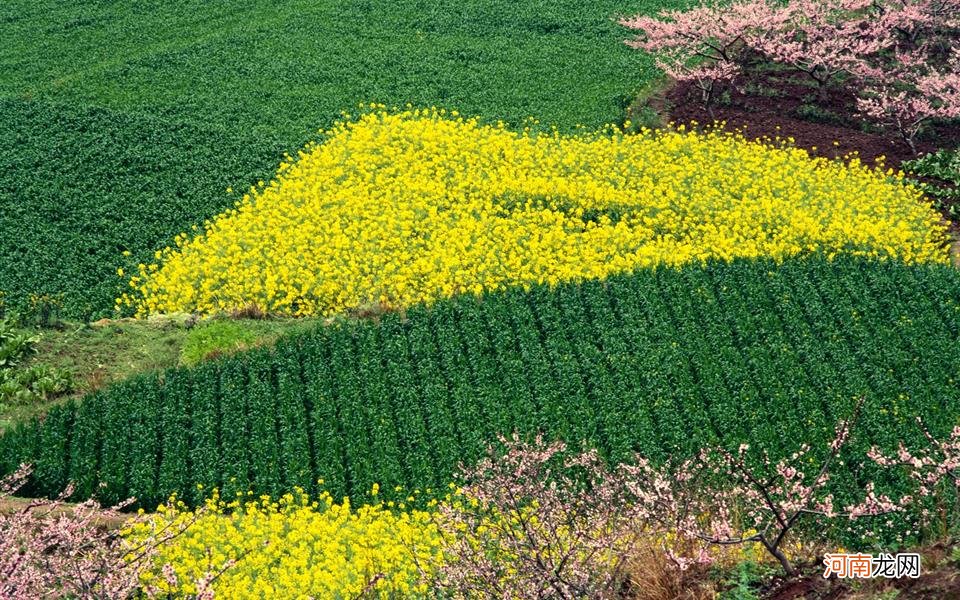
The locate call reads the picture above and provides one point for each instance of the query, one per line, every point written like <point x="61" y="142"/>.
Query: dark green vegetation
<point x="123" y="124"/>
<point x="79" y="186"/>
<point x="942" y="184"/>
<point x="658" y="362"/>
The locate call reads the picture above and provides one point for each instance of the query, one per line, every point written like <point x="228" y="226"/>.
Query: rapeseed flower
<point x="293" y="547"/>
<point x="398" y="208"/>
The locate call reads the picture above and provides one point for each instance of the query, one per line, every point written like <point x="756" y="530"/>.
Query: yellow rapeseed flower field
<point x="404" y="207"/>
<point x="293" y="548"/>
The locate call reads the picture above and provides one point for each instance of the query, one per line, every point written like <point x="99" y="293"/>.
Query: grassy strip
<point x="107" y="352"/>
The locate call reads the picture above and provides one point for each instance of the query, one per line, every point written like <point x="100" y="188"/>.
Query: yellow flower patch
<point x="409" y="207"/>
<point x="293" y="548"/>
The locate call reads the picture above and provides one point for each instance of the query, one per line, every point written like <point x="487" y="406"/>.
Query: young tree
<point x="709" y="45"/>
<point x="537" y="522"/>
<point x="719" y="499"/>
<point x="910" y="94"/>
<point x="525" y="525"/>
<point x="823" y="39"/>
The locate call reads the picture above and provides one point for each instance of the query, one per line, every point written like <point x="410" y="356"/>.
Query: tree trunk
<point x="780" y="556"/>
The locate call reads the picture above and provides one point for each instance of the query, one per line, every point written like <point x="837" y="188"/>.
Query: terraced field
<point x="447" y="232"/>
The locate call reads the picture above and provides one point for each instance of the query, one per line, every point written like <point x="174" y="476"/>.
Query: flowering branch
<point x="708" y="45"/>
<point x="51" y="550"/>
<point x="537" y="522"/>
<point x="939" y="461"/>
<point x="704" y="495"/>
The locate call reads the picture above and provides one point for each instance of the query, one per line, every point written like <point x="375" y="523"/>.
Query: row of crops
<point x="661" y="362"/>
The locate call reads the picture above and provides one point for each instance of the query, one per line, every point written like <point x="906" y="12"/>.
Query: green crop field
<point x="124" y="123"/>
<point x="661" y="363"/>
<point x="254" y="249"/>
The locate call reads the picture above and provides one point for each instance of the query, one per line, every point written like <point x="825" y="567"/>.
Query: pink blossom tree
<point x="523" y="523"/>
<point x="46" y="553"/>
<point x="49" y="549"/>
<point x="910" y="94"/>
<point x="719" y="499"/>
<point x="537" y="522"/>
<point x="823" y="39"/>
<point x="899" y="57"/>
<point x="709" y="45"/>
<point x="937" y="462"/>
<point x="915" y="22"/>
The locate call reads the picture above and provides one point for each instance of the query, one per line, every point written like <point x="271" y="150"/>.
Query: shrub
<point x="14" y="343"/>
<point x="945" y="166"/>
<point x="22" y="385"/>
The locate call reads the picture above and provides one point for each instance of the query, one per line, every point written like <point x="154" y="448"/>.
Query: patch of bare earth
<point x="776" y="107"/>
<point x="939" y="580"/>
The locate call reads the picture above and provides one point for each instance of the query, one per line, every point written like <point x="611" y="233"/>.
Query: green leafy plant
<point x="12" y="391"/>
<point x="22" y="385"/>
<point x="14" y="344"/>
<point x="45" y="381"/>
<point x="743" y="581"/>
<point x="651" y="362"/>
<point x="955" y="555"/>
<point x="945" y="166"/>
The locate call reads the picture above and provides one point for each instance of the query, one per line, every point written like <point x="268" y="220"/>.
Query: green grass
<point x="109" y="352"/>
<point x="123" y="125"/>
<point x="662" y="362"/>
<point x="215" y="339"/>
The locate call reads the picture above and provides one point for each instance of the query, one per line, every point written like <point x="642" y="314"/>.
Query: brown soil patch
<point x="786" y="108"/>
<point x="939" y="579"/>
<point x="939" y="584"/>
<point x="107" y="519"/>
